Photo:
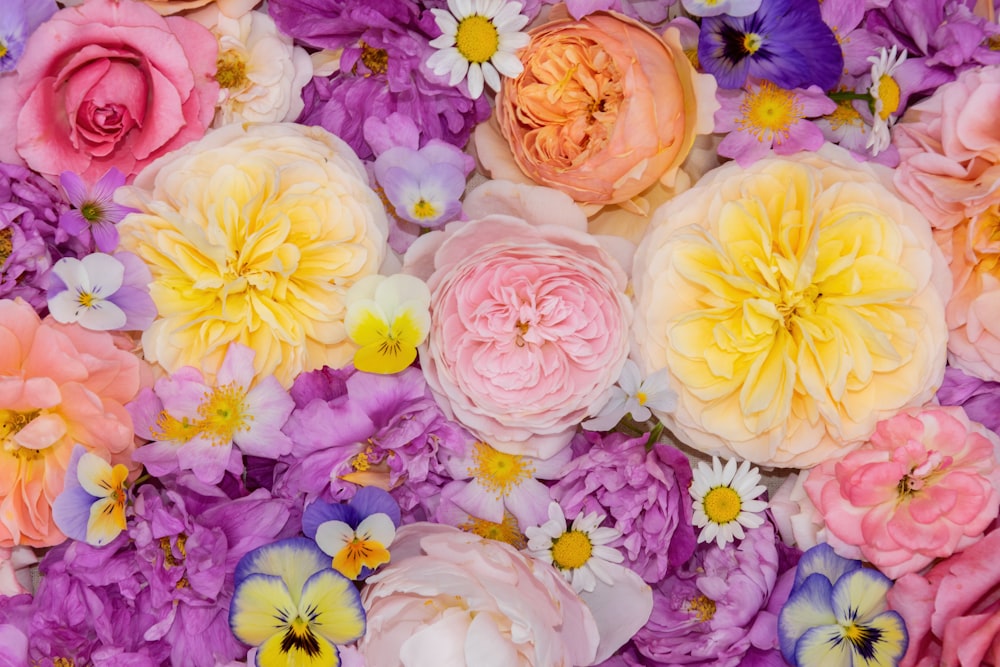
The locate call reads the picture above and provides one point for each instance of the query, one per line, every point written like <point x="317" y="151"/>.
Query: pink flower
<point x="60" y="384"/>
<point x="925" y="486"/>
<point x="91" y="92"/>
<point x="529" y="322"/>
<point x="450" y="597"/>
<point x="952" y="612"/>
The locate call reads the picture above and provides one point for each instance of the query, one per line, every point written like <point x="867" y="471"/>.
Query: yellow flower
<point x="388" y="317"/>
<point x="254" y="234"/>
<point x="794" y="305"/>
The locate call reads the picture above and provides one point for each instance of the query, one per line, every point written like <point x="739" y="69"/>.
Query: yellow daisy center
<point x="888" y="94"/>
<point x="571" y="550"/>
<point x="423" y="210"/>
<point x="703" y="606"/>
<point x="722" y="505"/>
<point x="477" y="38"/>
<point x="231" y="70"/>
<point x="501" y="532"/>
<point x="769" y="112"/>
<point x="752" y="42"/>
<point x="223" y="413"/>
<point x="497" y="471"/>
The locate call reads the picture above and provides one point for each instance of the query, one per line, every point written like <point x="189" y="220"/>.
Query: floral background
<point x="499" y="332"/>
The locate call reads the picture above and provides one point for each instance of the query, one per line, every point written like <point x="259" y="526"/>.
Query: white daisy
<point x="886" y="95"/>
<point x="579" y="552"/>
<point x="725" y="500"/>
<point x="479" y="40"/>
<point x="633" y="395"/>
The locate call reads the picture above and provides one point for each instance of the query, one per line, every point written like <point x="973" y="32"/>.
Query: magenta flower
<point x="94" y="213"/>
<point x="980" y="399"/>
<point x="764" y="116"/>
<point x="926" y="485"/>
<point x="644" y="494"/>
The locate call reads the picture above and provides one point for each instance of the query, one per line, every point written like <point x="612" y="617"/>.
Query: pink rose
<point x="529" y="322"/>
<point x="952" y="613"/>
<point x="925" y="486"/>
<point x="453" y="598"/>
<point x="110" y="83"/>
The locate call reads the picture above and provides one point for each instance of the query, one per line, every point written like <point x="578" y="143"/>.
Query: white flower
<point x="704" y="8"/>
<point x="885" y="91"/>
<point x="479" y="40"/>
<point x="580" y="552"/>
<point x="635" y="396"/>
<point x="90" y="282"/>
<point x="725" y="500"/>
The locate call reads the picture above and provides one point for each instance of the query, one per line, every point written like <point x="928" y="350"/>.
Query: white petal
<point x="507" y="63"/>
<point x="331" y="536"/>
<point x="377" y="528"/>
<point x="475" y="81"/>
<point x="91" y="471"/>
<point x="490" y="75"/>
<point x="105" y="272"/>
<point x="620" y="609"/>
<point x="102" y="316"/>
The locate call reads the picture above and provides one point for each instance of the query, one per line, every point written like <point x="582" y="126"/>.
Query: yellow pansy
<point x="388" y="317"/>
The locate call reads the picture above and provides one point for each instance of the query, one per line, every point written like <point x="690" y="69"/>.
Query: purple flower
<point x="30" y="240"/>
<point x="333" y="24"/>
<point x="18" y="20"/>
<point x="979" y="398"/>
<point x="643" y="493"/>
<point x="784" y="41"/>
<point x="389" y="430"/>
<point x="102" y="292"/>
<point x="94" y="213"/>
<point x="720" y="605"/>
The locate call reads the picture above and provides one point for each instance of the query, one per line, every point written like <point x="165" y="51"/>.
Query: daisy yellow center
<point x="571" y="550"/>
<point x="722" y="505"/>
<point x="752" y="43"/>
<point x="423" y="210"/>
<point x="703" y="607"/>
<point x="888" y="94"/>
<point x="501" y="532"/>
<point x="224" y="413"/>
<point x="477" y="38"/>
<point x="497" y="471"/>
<point x="231" y="71"/>
<point x="6" y="244"/>
<point x="769" y="113"/>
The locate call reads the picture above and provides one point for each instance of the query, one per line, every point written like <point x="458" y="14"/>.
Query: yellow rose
<point x="253" y="235"/>
<point x="604" y="109"/>
<point x="795" y="304"/>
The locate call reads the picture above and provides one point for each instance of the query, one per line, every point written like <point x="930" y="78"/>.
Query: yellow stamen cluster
<point x="769" y="113"/>
<point x="507" y="531"/>
<point x="231" y="70"/>
<point x="703" y="607"/>
<point x="497" y="471"/>
<point x="571" y="550"/>
<point x="477" y="39"/>
<point x="722" y="505"/>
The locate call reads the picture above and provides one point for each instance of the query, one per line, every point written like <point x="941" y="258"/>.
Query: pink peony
<point x="450" y="598"/>
<point x="529" y="321"/>
<point x="60" y="384"/>
<point x="925" y="486"/>
<point x="108" y="84"/>
<point x="952" y="612"/>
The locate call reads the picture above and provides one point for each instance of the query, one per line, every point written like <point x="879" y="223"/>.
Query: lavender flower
<point x="389" y="431"/>
<point x="721" y="606"/>
<point x="30" y="240"/>
<point x="337" y="24"/>
<point x="643" y="493"/>
<point x="94" y="213"/>
<point x="785" y="42"/>
<point x="17" y="21"/>
<point x="102" y="292"/>
<point x="979" y="398"/>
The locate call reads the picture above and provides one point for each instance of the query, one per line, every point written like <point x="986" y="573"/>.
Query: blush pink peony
<point x="529" y="322"/>
<point x="952" y="612"/>
<point x="60" y="384"/>
<point x="454" y="598"/>
<point x="107" y="84"/>
<point x="925" y="486"/>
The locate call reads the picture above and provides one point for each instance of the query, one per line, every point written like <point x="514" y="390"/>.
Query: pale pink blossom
<point x="925" y="486"/>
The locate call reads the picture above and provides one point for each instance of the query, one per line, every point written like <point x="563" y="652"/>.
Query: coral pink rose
<point x="454" y="598"/>
<point x="529" y="322"/>
<point x="108" y="84"/>
<point x="950" y="168"/>
<point x="925" y="486"/>
<point x="60" y="384"/>
<point x="952" y="613"/>
<point x="603" y="110"/>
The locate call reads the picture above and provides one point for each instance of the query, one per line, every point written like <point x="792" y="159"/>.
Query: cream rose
<point x="795" y="304"/>
<point x="253" y="235"/>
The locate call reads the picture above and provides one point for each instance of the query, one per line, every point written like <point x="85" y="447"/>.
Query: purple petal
<point x="320" y="512"/>
<point x="373" y="500"/>
<point x="105" y="236"/>
<point x="75" y="188"/>
<point x="104" y="189"/>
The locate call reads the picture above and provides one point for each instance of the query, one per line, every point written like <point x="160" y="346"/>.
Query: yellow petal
<point x="334" y="606"/>
<point x="261" y="607"/>
<point x="304" y="649"/>
<point x="107" y="520"/>
<point x="385" y="357"/>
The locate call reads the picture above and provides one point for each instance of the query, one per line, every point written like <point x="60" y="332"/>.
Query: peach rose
<point x="60" y="384"/>
<point x="92" y="92"/>
<point x="604" y="109"/>
<point x="794" y="303"/>
<point x="454" y="598"/>
<point x="529" y="321"/>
